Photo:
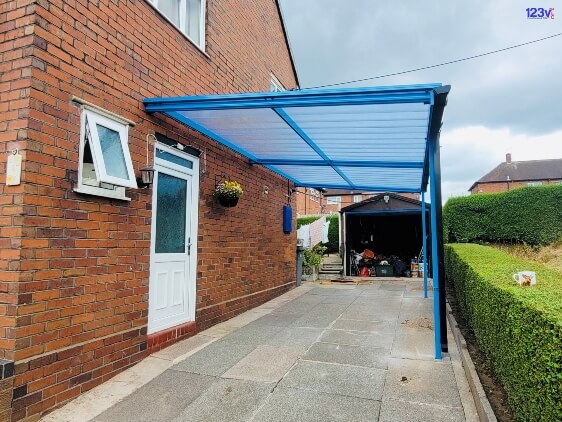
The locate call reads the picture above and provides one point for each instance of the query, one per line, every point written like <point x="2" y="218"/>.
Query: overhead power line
<point x="439" y="64"/>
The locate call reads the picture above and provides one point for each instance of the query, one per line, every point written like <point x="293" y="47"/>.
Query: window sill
<point x="106" y="193"/>
<point x="197" y="46"/>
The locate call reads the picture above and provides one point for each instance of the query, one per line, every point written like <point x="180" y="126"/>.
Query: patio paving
<point x="318" y="353"/>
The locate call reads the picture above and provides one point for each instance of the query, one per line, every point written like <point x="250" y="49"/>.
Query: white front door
<point x="173" y="246"/>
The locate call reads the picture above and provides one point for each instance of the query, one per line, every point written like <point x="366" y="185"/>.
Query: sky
<point x="505" y="102"/>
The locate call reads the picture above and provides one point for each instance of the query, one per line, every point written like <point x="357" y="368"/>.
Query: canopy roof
<point x="372" y="138"/>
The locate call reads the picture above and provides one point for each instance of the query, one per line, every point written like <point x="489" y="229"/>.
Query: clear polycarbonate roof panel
<point x="367" y="138"/>
<point x="400" y="178"/>
<point x="309" y="175"/>
<point x="260" y="131"/>
<point x="394" y="132"/>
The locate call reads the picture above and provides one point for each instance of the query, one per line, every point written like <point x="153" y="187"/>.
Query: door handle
<point x="189" y="246"/>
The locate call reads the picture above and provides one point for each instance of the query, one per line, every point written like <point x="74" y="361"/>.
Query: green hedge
<point x="333" y="244"/>
<point x="518" y="328"/>
<point x="531" y="215"/>
<point x="303" y="221"/>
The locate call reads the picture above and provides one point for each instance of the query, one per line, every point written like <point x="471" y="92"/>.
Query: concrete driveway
<point x="318" y="353"/>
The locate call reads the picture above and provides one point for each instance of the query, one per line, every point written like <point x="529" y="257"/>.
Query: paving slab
<point x="426" y="382"/>
<point x="299" y="337"/>
<point x="226" y="401"/>
<point x="357" y="338"/>
<point x="344" y="300"/>
<point x="216" y="358"/>
<point x="184" y="347"/>
<point x="366" y="383"/>
<point x="292" y="405"/>
<point x="254" y="334"/>
<point x="265" y="363"/>
<point x="277" y="319"/>
<point x="371" y="326"/>
<point x="414" y="343"/>
<point x="320" y="317"/>
<point x="161" y="400"/>
<point x="402" y="411"/>
<point x="369" y="357"/>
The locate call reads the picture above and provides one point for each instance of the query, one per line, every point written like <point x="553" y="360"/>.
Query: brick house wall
<point x="505" y="186"/>
<point x="308" y="204"/>
<point x="74" y="268"/>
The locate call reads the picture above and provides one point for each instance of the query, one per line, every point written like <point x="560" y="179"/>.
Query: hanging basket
<point x="227" y="201"/>
<point x="228" y="192"/>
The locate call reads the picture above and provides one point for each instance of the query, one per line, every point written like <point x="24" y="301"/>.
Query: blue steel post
<point x="434" y="250"/>
<point x="424" y="233"/>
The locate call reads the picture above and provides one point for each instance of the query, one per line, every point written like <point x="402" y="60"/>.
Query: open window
<point x="105" y="167"/>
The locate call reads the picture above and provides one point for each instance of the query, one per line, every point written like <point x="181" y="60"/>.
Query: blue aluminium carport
<point x="375" y="138"/>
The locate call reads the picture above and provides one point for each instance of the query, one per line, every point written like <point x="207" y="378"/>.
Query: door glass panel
<point x="170" y="214"/>
<point x="112" y="152"/>
<point x="173" y="158"/>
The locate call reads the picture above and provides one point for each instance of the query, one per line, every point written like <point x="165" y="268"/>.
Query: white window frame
<point x="102" y="184"/>
<point x="357" y="198"/>
<point x="183" y="21"/>
<point x="275" y="85"/>
<point x="333" y="200"/>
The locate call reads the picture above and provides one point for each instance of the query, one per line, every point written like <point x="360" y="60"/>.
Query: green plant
<point x="304" y="221"/>
<point x="311" y="258"/>
<point x="333" y="244"/>
<point x="518" y="328"/>
<point x="531" y="215"/>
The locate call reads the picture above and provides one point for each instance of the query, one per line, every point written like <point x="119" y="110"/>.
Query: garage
<point x="389" y="225"/>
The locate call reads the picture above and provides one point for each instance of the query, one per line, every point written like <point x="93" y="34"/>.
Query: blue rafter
<point x="293" y="125"/>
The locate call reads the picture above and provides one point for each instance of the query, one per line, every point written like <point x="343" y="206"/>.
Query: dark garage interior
<point x="388" y="227"/>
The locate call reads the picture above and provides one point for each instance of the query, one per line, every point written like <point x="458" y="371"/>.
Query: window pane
<point x="112" y="152"/>
<point x="170" y="214"/>
<point x="173" y="158"/>
<point x="171" y="9"/>
<point x="193" y="14"/>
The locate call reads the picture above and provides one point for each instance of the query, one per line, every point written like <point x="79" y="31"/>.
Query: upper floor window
<point x="275" y="85"/>
<point x="314" y="194"/>
<point x="333" y="200"/>
<point x="187" y="15"/>
<point x="105" y="166"/>
<point x="534" y="183"/>
<point x="356" y="198"/>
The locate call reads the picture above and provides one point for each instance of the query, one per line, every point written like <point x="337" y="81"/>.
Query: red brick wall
<point x="16" y="48"/>
<point x="505" y="186"/>
<point x="77" y="266"/>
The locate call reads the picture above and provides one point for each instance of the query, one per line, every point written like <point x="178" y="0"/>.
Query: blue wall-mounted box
<point x="287" y="219"/>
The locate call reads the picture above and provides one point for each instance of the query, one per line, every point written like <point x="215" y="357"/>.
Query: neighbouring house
<point x="309" y="201"/>
<point x="97" y="269"/>
<point x="516" y="174"/>
<point x="337" y="199"/>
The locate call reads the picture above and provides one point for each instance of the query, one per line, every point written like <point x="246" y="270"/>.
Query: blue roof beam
<point x="331" y="163"/>
<point x="372" y="188"/>
<point x="311" y="98"/>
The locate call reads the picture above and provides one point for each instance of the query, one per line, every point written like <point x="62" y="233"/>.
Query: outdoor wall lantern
<point x="147" y="177"/>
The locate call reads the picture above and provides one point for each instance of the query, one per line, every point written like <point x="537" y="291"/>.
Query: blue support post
<point x="424" y="233"/>
<point x="434" y="251"/>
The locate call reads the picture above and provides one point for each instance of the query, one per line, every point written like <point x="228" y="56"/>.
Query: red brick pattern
<point x="74" y="269"/>
<point x="162" y="339"/>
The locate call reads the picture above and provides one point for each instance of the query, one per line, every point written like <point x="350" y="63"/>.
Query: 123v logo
<point x="540" y="13"/>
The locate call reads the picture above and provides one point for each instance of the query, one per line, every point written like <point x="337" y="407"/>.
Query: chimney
<point x="508" y="158"/>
